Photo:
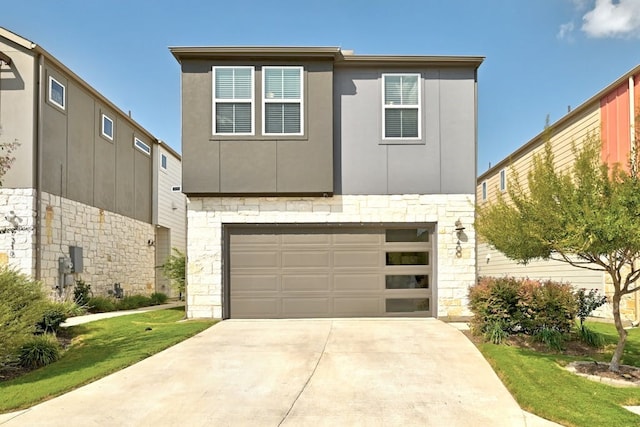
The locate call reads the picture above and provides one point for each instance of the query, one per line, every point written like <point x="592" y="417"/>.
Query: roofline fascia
<point x="564" y="119"/>
<point x="410" y="60"/>
<point x="195" y="52"/>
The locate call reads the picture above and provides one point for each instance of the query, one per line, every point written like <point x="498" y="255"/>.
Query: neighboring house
<point x="327" y="184"/>
<point x="611" y="114"/>
<point x="81" y="200"/>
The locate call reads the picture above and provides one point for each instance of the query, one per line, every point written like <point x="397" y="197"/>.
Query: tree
<point x="6" y="159"/>
<point x="587" y="216"/>
<point x="174" y="269"/>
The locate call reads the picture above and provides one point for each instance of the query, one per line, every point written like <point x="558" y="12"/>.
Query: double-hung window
<point x="401" y="106"/>
<point x="282" y="112"/>
<point x="56" y="93"/>
<point x="233" y="100"/>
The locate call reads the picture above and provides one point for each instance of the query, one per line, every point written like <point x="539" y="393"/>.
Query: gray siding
<point x="442" y="162"/>
<point x="81" y="165"/>
<point x="257" y="164"/>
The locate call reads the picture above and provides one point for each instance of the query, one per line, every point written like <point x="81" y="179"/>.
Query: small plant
<point x="495" y="332"/>
<point x="53" y="316"/>
<point x="551" y="337"/>
<point x="40" y="350"/>
<point x="101" y="305"/>
<point x="158" y="298"/>
<point x="589" y="337"/>
<point x="82" y="293"/>
<point x="588" y="302"/>
<point x="174" y="268"/>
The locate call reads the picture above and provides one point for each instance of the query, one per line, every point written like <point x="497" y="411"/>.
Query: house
<point x="87" y="197"/>
<point x="613" y="114"/>
<point x="322" y="183"/>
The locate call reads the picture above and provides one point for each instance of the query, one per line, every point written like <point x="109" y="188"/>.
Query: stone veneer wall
<point x="114" y="247"/>
<point x="206" y="215"/>
<point x="17" y="244"/>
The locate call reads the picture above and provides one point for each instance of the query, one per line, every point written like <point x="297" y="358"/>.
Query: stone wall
<point x="17" y="219"/>
<point x="455" y="272"/>
<point x="115" y="248"/>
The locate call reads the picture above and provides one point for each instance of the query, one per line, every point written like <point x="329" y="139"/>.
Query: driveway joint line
<point x="308" y="379"/>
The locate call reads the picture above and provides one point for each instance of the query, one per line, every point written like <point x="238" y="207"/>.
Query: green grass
<point x="98" y="349"/>
<point x="541" y="385"/>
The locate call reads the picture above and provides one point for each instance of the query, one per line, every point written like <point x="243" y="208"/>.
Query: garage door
<point x="336" y="272"/>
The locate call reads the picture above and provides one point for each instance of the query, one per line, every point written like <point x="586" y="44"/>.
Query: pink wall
<point x="614" y="114"/>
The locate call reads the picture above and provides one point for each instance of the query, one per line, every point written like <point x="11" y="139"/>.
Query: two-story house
<point x="613" y="115"/>
<point x="327" y="184"/>
<point x="87" y="196"/>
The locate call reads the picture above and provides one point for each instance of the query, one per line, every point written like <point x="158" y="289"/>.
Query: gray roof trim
<point x="221" y="52"/>
<point x="536" y="140"/>
<point x="410" y="60"/>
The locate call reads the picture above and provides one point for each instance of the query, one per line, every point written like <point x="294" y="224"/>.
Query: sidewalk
<point x="78" y="320"/>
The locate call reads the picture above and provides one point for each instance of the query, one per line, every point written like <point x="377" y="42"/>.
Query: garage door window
<point x="407" y="235"/>
<point x="407" y="258"/>
<point x="407" y="281"/>
<point x="406" y="305"/>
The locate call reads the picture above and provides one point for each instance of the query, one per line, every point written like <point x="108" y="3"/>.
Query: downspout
<point x="38" y="168"/>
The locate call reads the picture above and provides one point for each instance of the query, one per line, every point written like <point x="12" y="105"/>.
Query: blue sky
<point x="541" y="55"/>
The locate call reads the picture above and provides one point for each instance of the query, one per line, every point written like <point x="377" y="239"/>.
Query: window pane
<point x="392" y="93"/>
<point x="406" y="305"/>
<point x="57" y="93"/>
<point x="407" y="235"/>
<point x="107" y="126"/>
<point x="282" y="118"/>
<point x="273" y="118"/>
<point x="291" y="118"/>
<point x="224" y="118"/>
<point x="409" y="90"/>
<point x="242" y="118"/>
<point x="242" y="83"/>
<point x="273" y="83"/>
<point x="224" y="83"/>
<point x="409" y="123"/>
<point x="407" y="282"/>
<point x="392" y="124"/>
<point x="401" y="123"/>
<point x="407" y="258"/>
<point x="291" y="83"/>
<point x="233" y="118"/>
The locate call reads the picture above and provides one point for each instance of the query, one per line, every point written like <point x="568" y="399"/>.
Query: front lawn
<point x="541" y="385"/>
<point x="98" y="349"/>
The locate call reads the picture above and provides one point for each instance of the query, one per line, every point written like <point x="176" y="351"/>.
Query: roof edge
<point x="191" y="52"/>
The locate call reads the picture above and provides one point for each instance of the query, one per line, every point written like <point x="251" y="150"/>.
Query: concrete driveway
<point x="334" y="372"/>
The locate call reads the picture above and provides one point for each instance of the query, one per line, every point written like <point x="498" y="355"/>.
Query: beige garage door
<point x="337" y="272"/>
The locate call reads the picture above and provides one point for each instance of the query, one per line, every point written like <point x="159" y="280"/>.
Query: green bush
<point x="496" y="332"/>
<point x="101" y="305"/>
<point x="82" y="293"/>
<point x="552" y="338"/>
<point x="40" y="350"/>
<point x="588" y="302"/>
<point x="158" y="298"/>
<point x="175" y="269"/>
<point x="22" y="304"/>
<point x="520" y="306"/>
<point x="54" y="314"/>
<point x="589" y="337"/>
<point x="133" y="301"/>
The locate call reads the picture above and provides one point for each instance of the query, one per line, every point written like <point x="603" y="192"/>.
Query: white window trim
<point x="384" y="107"/>
<point x="64" y="93"/>
<point x="113" y="129"/>
<point x="162" y="155"/>
<point x="503" y="180"/>
<point x="300" y="101"/>
<point x="233" y="101"/>
<point x="484" y="190"/>
<point x="142" y="146"/>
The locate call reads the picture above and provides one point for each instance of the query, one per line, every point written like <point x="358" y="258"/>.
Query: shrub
<point x="554" y="306"/>
<point x="174" y="268"/>
<point x="133" y="301"/>
<point x="101" y="305"/>
<point x="22" y="303"/>
<point x="39" y="351"/>
<point x="495" y="332"/>
<point x="589" y="337"/>
<point x="495" y="302"/>
<point x="158" y="298"/>
<point x="552" y="338"/>
<point x="82" y="293"/>
<point x="588" y="303"/>
<point x="54" y="314"/>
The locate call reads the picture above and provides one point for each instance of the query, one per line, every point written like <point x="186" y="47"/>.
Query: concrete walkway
<point x="333" y="372"/>
<point x="78" y="320"/>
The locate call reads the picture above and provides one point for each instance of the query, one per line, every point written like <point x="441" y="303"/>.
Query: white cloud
<point x="611" y="18"/>
<point x="566" y="31"/>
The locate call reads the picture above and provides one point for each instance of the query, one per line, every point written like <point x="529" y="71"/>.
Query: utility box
<point x="75" y="253"/>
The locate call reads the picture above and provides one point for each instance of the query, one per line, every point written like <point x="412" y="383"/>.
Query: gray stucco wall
<point x="257" y="164"/>
<point x="441" y="162"/>
<point x="82" y="165"/>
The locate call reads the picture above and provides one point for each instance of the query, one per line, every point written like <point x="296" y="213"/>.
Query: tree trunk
<point x="622" y="333"/>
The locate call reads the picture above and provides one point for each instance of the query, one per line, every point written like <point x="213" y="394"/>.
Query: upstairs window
<point x="503" y="180"/>
<point x="401" y="106"/>
<point x="140" y="145"/>
<point x="233" y="100"/>
<point x="282" y="101"/>
<point x="163" y="161"/>
<point x="107" y="127"/>
<point x="484" y="190"/>
<point x="56" y="93"/>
